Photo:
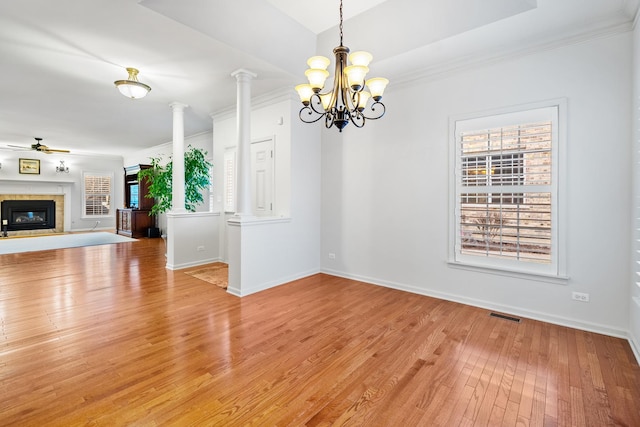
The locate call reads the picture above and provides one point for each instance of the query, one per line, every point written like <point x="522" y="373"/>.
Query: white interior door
<point x="262" y="159"/>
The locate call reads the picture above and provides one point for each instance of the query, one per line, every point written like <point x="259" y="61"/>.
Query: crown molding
<point x="281" y="94"/>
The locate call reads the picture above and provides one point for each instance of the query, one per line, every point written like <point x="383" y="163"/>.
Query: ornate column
<point x="177" y="187"/>
<point x="243" y="109"/>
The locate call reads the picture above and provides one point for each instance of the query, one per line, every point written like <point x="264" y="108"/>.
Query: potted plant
<point x="159" y="177"/>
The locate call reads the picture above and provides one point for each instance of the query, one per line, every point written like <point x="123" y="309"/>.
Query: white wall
<point x="192" y="240"/>
<point x="385" y="193"/>
<point x="634" y="288"/>
<point x="11" y="181"/>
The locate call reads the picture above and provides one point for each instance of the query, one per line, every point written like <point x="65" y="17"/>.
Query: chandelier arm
<point x="315" y="99"/>
<point x="357" y="118"/>
<point x="309" y="112"/>
<point x="340" y="88"/>
<point x="355" y="99"/>
<point x="373" y="108"/>
<point x="329" y="118"/>
<point x="345" y="93"/>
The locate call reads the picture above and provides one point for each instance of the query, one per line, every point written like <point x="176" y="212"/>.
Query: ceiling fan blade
<point x="44" y="149"/>
<point x="19" y="146"/>
<point x="54" y="150"/>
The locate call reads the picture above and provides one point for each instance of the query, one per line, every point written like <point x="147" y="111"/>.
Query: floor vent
<point x="502" y="316"/>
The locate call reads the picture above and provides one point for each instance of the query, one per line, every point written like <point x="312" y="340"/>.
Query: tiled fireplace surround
<point x="42" y="195"/>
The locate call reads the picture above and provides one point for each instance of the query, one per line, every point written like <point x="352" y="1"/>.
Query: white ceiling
<point x="59" y="59"/>
<point x="319" y="16"/>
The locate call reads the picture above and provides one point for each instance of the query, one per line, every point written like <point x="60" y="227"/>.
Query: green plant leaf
<point x="197" y="173"/>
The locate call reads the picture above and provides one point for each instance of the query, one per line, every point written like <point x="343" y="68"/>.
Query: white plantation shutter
<point x="212" y="205"/>
<point x="230" y="180"/>
<point x="506" y="191"/>
<point x="97" y="194"/>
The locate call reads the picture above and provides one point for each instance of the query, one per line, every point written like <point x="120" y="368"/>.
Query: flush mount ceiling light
<point x="132" y="88"/>
<point x="348" y="100"/>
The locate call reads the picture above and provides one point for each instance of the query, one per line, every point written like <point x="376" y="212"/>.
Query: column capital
<point x="177" y="106"/>
<point x="243" y="74"/>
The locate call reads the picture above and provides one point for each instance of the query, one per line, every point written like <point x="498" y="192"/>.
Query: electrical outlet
<point x="332" y="256"/>
<point x="580" y="296"/>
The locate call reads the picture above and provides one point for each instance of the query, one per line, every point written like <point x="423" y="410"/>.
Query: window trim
<point x="554" y="272"/>
<point x="84" y="195"/>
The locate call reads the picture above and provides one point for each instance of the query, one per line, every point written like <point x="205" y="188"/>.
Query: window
<point x="97" y="194"/>
<point x="134" y="194"/>
<point x="492" y="170"/>
<point x="506" y="187"/>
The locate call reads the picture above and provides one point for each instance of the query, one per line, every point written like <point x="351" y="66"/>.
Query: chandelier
<point x="348" y="100"/>
<point x="132" y="88"/>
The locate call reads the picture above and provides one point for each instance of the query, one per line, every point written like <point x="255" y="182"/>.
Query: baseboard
<point x="634" y="328"/>
<point x="488" y="305"/>
<point x="635" y="348"/>
<point x="270" y="284"/>
<point x="84" y="230"/>
<point x="192" y="264"/>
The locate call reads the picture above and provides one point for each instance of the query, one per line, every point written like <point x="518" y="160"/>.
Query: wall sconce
<point x="62" y="168"/>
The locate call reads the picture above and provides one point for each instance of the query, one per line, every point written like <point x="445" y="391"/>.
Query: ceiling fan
<point x="40" y="147"/>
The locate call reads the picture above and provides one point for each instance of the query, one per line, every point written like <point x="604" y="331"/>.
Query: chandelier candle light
<point x="348" y="100"/>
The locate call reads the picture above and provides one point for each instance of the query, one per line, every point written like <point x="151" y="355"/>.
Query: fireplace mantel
<point x="39" y="181"/>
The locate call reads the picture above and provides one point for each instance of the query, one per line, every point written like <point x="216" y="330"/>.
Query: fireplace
<point x="20" y="215"/>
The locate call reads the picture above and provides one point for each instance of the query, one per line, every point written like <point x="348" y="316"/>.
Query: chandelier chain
<point x="340" y="22"/>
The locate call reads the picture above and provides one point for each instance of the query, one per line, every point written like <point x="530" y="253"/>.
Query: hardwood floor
<point x="106" y="336"/>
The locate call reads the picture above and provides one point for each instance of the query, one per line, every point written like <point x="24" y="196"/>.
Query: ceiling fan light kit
<point x="132" y="88"/>
<point x="348" y="100"/>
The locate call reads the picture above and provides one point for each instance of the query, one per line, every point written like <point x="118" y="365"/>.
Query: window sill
<point x="538" y="277"/>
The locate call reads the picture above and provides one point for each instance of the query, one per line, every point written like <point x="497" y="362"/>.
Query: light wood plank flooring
<point x="106" y="336"/>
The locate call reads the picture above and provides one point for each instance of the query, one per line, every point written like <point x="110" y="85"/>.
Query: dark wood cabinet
<point x="133" y="222"/>
<point x="134" y="219"/>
